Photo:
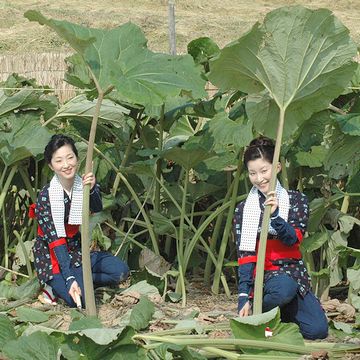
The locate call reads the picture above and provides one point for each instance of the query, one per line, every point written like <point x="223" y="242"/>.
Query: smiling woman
<point x="286" y="281"/>
<point x="58" y="210"/>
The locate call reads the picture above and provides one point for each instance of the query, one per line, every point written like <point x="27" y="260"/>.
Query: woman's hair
<point x="259" y="148"/>
<point x="55" y="143"/>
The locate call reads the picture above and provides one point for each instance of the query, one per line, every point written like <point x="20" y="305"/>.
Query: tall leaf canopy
<point x="119" y="57"/>
<point x="298" y="60"/>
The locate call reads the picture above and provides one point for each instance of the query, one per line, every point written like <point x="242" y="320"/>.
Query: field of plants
<point x="168" y="158"/>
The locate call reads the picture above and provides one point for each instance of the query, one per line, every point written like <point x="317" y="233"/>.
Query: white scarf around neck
<point x="56" y="196"/>
<point x="251" y="216"/>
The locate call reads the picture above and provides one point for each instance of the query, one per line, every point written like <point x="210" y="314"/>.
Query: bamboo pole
<point x="172" y="31"/>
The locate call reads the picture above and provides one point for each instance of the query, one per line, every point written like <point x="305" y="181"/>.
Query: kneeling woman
<point x="58" y="210"/>
<point x="286" y="281"/>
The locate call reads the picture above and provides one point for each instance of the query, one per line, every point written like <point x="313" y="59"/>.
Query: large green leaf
<point x="142" y="313"/>
<point x="349" y="124"/>
<point x="188" y="157"/>
<point x="119" y="57"/>
<point x="343" y="157"/>
<point x="80" y="107"/>
<point x="227" y="132"/>
<point x="253" y="328"/>
<point x="27" y="314"/>
<point x="29" y="97"/>
<point x="297" y="60"/>
<point x="37" y="346"/>
<point x="25" y="137"/>
<point x="7" y="331"/>
<point x="314" y="158"/>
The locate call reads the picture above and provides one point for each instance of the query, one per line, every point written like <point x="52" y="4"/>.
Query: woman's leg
<point x="308" y="314"/>
<point x="107" y="269"/>
<point x="278" y="291"/>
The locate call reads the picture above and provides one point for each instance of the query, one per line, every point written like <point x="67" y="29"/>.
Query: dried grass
<point x="45" y="68"/>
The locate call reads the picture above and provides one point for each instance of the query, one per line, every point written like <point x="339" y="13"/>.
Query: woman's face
<point x="64" y="163"/>
<point x="260" y="174"/>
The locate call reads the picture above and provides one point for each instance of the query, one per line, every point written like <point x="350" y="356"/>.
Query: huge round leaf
<point x="298" y="60"/>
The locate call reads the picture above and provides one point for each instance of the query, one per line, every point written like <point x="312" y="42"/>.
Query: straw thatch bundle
<point x="45" y="68"/>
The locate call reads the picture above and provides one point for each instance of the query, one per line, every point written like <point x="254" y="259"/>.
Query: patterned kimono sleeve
<point x="56" y="244"/>
<point x="44" y="217"/>
<point x="95" y="199"/>
<point x="246" y="260"/>
<point x="299" y="213"/>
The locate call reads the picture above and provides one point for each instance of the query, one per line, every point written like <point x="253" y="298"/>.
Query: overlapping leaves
<point x="298" y="60"/>
<point x="119" y="57"/>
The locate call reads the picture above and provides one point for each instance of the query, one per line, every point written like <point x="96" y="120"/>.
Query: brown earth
<point x="223" y="20"/>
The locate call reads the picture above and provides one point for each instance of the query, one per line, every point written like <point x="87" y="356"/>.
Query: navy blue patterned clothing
<point x="288" y="232"/>
<point x="67" y="251"/>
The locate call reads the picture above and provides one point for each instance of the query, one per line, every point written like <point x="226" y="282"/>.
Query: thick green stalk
<point x="26" y="256"/>
<point x="228" y="228"/>
<point x="284" y="173"/>
<point x="7" y="184"/>
<point x="85" y="227"/>
<point x="2" y="178"/>
<point x="158" y="162"/>
<point x="123" y="161"/>
<point x="180" y="241"/>
<point x="6" y="239"/>
<point x="214" y="236"/>
<point x="27" y="183"/>
<point x="135" y="197"/>
<point x="259" y="278"/>
<point x="345" y="204"/>
<point x="216" y="342"/>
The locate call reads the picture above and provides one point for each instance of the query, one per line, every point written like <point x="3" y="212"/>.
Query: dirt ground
<point x="223" y="20"/>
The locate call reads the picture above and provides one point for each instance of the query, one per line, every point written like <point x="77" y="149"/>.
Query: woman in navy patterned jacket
<point x="58" y="210"/>
<point x="286" y="280"/>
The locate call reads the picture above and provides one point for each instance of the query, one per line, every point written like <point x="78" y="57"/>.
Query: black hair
<point x="260" y="148"/>
<point x="55" y="143"/>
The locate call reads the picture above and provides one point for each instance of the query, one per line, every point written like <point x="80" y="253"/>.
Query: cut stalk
<point x="259" y="278"/>
<point x="242" y="343"/>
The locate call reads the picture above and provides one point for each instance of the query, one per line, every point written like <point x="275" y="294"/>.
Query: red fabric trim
<point x="56" y="243"/>
<point x="53" y="258"/>
<point x="299" y="234"/>
<point x="71" y="230"/>
<point x="31" y="212"/>
<point x="276" y="249"/>
<point x="247" y="259"/>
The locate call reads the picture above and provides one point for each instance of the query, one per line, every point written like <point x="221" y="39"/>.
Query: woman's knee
<point x="280" y="290"/>
<point x="120" y="270"/>
<point x="317" y="330"/>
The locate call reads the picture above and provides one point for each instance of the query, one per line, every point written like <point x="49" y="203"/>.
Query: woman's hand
<point x="74" y="289"/>
<point x="272" y="200"/>
<point x="89" y="178"/>
<point x="245" y="311"/>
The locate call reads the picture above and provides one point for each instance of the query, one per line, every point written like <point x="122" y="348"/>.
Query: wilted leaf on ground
<point x="7" y="331"/>
<point x="141" y="314"/>
<point x="27" y="314"/>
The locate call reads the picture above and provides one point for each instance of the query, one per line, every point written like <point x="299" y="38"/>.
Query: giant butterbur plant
<point x="117" y="61"/>
<point x="291" y="66"/>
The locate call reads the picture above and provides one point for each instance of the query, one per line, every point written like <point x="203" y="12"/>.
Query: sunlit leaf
<point x="298" y="60"/>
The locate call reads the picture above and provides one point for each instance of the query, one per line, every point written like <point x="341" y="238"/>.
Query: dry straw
<point x="45" y="68"/>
